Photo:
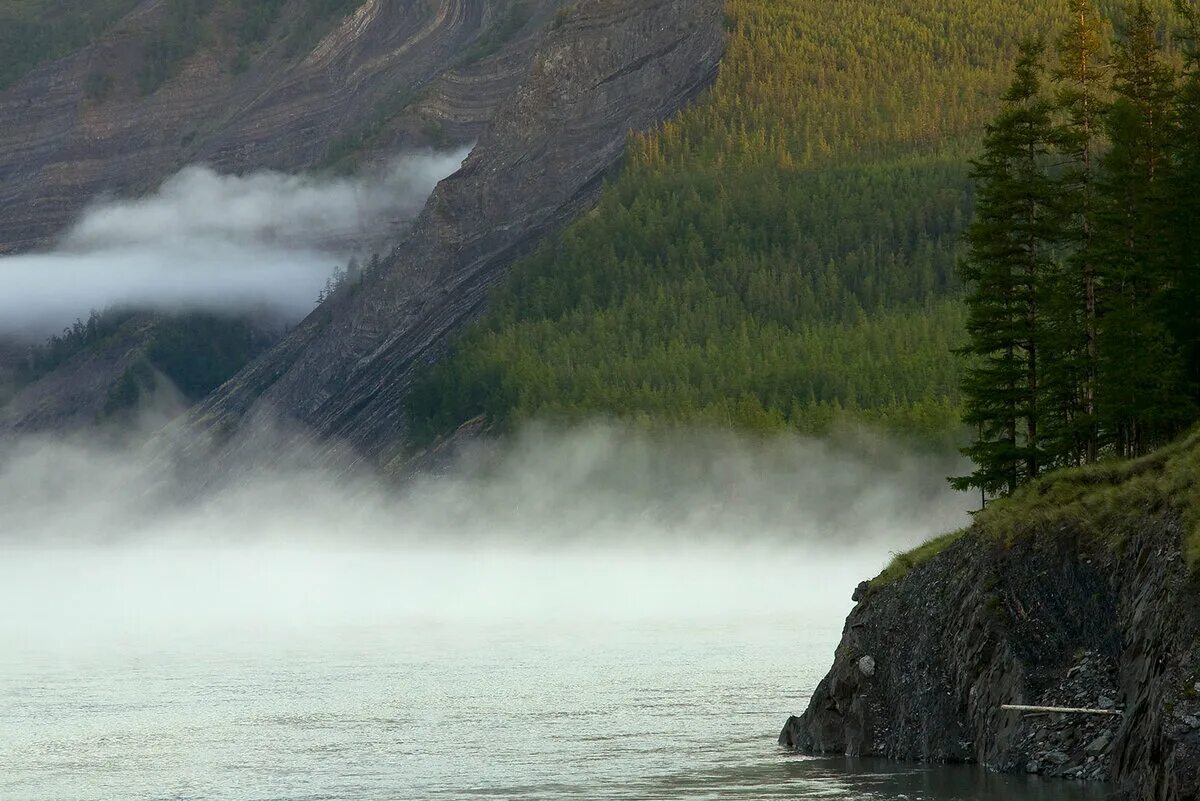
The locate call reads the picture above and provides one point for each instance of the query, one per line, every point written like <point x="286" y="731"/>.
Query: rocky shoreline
<point x="1059" y="615"/>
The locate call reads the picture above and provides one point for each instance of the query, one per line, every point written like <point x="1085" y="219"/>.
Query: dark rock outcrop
<point x="339" y="379"/>
<point x="1058" y="617"/>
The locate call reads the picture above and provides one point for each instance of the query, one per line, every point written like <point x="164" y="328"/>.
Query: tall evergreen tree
<point x="1141" y="383"/>
<point x="1072" y="434"/>
<point x="1184" y="194"/>
<point x="1010" y="261"/>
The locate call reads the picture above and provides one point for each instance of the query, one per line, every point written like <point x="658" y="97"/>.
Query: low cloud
<point x="213" y="242"/>
<point x="600" y="483"/>
<point x="600" y="522"/>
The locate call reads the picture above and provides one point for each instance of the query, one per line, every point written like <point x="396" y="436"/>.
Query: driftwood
<point x="1060" y="710"/>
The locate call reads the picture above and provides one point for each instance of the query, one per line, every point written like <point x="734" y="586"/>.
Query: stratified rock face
<point x="1052" y="620"/>
<point x="604" y="68"/>
<point x="397" y="64"/>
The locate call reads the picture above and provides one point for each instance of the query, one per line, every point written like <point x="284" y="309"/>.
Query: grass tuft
<point x="902" y="563"/>
<point x="1103" y="501"/>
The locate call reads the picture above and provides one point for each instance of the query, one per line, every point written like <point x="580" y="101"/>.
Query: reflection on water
<point x="794" y="776"/>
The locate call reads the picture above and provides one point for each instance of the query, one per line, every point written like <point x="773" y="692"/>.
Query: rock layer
<point x="338" y="381"/>
<point x="1053" y="618"/>
<point x="394" y="67"/>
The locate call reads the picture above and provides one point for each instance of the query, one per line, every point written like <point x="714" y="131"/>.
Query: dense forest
<point x="195" y="351"/>
<point x="780" y="255"/>
<point x="1084" y="265"/>
<point x="36" y="31"/>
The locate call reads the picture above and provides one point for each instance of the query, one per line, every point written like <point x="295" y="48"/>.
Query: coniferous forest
<point x="1083" y="267"/>
<point x="784" y="254"/>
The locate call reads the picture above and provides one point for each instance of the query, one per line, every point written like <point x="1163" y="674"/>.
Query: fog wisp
<point x="213" y="242"/>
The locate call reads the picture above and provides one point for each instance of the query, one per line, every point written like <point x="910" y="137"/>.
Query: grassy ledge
<point x="1105" y="501"/>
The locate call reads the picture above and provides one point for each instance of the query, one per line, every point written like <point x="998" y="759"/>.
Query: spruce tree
<point x="1142" y="391"/>
<point x="1184" y="199"/>
<point x="1011" y="246"/>
<point x="1072" y="435"/>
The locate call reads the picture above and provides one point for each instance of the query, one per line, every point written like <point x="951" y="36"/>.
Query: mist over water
<point x="600" y="484"/>
<point x="206" y="241"/>
<point x="593" y="613"/>
<point x="597" y="523"/>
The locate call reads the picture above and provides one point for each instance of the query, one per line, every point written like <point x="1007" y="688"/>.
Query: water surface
<point x="585" y="689"/>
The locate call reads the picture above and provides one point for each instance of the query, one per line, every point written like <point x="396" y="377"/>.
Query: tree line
<point x="1084" y="256"/>
<point x="36" y="31"/>
<point x="197" y="351"/>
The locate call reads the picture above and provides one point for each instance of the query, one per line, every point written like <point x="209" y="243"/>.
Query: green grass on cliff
<point x="1104" y="502"/>
<point x="1107" y="500"/>
<point x="779" y="256"/>
<point x="903" y="562"/>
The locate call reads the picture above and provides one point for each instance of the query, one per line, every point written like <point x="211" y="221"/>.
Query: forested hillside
<point x="781" y="255"/>
<point x="36" y="31"/>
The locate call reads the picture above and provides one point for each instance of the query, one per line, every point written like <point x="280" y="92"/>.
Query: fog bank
<point x="600" y="523"/>
<point x="599" y="483"/>
<point x="214" y="242"/>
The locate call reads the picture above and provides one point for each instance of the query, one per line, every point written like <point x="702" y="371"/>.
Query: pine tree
<point x="1141" y="385"/>
<point x="1071" y="376"/>
<point x="1184" y="198"/>
<point x="1010" y="260"/>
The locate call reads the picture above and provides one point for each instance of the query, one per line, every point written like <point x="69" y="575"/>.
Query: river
<point x="266" y="674"/>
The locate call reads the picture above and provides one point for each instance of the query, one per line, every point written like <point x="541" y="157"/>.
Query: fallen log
<point x="1059" y="710"/>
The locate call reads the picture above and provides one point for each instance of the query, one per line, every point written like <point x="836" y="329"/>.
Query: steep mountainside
<point x="605" y="67"/>
<point x="1077" y="592"/>
<point x="387" y="75"/>
<point x="110" y="97"/>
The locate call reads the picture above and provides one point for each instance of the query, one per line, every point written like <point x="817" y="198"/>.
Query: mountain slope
<point x="109" y="97"/>
<point x="604" y="67"/>
<point x="360" y="78"/>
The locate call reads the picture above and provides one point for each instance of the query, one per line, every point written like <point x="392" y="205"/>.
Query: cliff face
<point x="394" y="74"/>
<point x="604" y="67"/>
<point x="1087" y="603"/>
<point x="549" y="94"/>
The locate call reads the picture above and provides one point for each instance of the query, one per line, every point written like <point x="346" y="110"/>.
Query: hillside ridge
<point x="388" y="77"/>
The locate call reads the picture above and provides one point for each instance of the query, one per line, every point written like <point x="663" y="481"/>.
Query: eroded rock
<point x="1047" y="621"/>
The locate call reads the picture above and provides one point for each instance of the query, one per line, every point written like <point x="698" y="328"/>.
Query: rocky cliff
<point x="549" y="89"/>
<point x="337" y="382"/>
<point x="391" y="75"/>
<point x="1076" y="593"/>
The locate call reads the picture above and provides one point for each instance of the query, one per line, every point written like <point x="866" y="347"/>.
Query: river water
<point x="265" y="675"/>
